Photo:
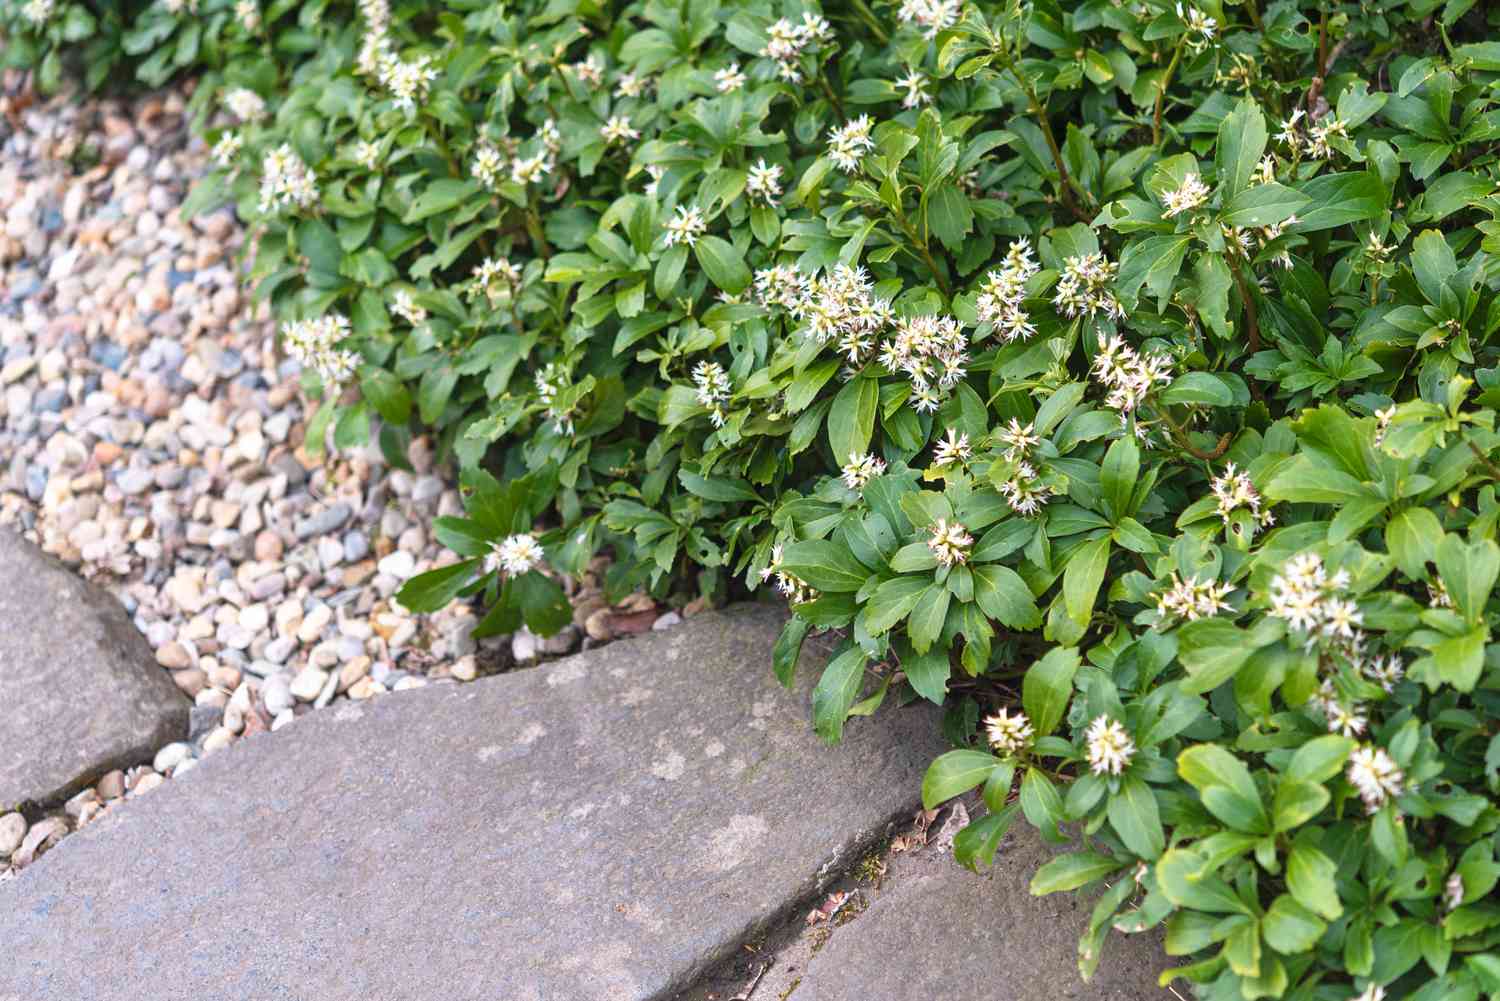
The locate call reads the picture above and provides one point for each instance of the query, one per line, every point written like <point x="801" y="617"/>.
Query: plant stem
<point x="868" y="16"/>
<point x="534" y="228"/>
<point x="1484" y="460"/>
<point x="926" y="254"/>
<point x="1161" y="93"/>
<point x="1179" y="435"/>
<point x="1252" y="323"/>
<point x="833" y="99"/>
<point x="1073" y="196"/>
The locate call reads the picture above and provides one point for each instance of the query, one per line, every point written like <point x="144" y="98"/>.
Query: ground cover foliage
<point x="1119" y="375"/>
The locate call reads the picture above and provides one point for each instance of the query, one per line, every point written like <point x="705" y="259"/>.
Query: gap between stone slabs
<point x="607" y="826"/>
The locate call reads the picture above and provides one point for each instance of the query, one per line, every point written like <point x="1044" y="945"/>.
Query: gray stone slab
<point x="940" y="931"/>
<point x="80" y="688"/>
<point x="604" y="827"/>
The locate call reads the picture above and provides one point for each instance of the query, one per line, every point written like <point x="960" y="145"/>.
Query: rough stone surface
<point x="941" y="931"/>
<point x="604" y="827"/>
<point x="81" y="689"/>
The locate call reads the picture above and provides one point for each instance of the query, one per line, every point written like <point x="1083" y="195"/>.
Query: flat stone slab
<point x="941" y="931"/>
<point x="604" y="827"/>
<point x="81" y="690"/>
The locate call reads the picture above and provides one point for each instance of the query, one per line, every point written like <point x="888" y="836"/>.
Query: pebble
<point x="12" y="832"/>
<point x="309" y="683"/>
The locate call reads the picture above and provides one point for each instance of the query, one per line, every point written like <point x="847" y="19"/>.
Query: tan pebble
<point x="465" y="668"/>
<point x="219" y="739"/>
<point x="227" y="678"/>
<point x="191" y="681"/>
<point x="146" y="783"/>
<point x="174" y="656"/>
<point x="112" y="786"/>
<point x="352" y="672"/>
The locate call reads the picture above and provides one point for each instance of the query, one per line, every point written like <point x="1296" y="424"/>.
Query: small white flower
<point x="591" y="70"/>
<point x="38" y="12"/>
<point x="366" y="154"/>
<point x="406" y="307"/>
<point x="1453" y="892"/>
<point x="950" y="542"/>
<point x="1109" y="745"/>
<point x="617" y="130"/>
<point x="763" y="182"/>
<point x="729" y="79"/>
<point x="1375" y="775"/>
<point x="861" y="469"/>
<point x="244" y="104"/>
<point x="227" y="149"/>
<point x="315" y="344"/>
<point x="1193" y="599"/>
<point x="495" y="279"/>
<point x="1190" y="194"/>
<point x="915" y="85"/>
<point x="686" y="226"/>
<point x="286" y="182"/>
<point x="488" y="164"/>
<point x="630" y="85"/>
<point x="1008" y="734"/>
<point x="1085" y="287"/>
<point x="248" y="13"/>
<point x="1372" y="992"/>
<point x="848" y="144"/>
<point x="953" y="448"/>
<point x="932" y="16"/>
<point x="514" y="555"/>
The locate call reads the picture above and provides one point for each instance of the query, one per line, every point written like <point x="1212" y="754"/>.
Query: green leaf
<point x="851" y="422"/>
<point x="1320" y="759"/>
<point x="724" y="265"/>
<point x="1071" y="871"/>
<point x="1296" y="802"/>
<point x="893" y="601"/>
<point x="1084" y="575"/>
<point x="388" y="394"/>
<point x="1134" y="816"/>
<point x="1198" y="387"/>
<point x="835" y="693"/>
<point x="928" y="673"/>
<point x="433" y="590"/>
<point x="1242" y="141"/>
<point x="1003" y="595"/>
<point x="1311" y="879"/>
<point x="1468" y="572"/>
<point x="978" y="842"/>
<point x="440" y="196"/>
<point x="825" y="565"/>
<point x="1264" y="205"/>
<point x="954" y="774"/>
<point x="1048" y="686"/>
<point x="1225" y="785"/>
<point x="788" y="650"/>
<point x="1185" y="880"/>
<point x="926" y="623"/>
<point x="1291" y="928"/>
<point x="1119" y="475"/>
<point x="1339" y="199"/>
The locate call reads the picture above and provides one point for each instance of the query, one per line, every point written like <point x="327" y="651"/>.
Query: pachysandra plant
<point x="1120" y="376"/>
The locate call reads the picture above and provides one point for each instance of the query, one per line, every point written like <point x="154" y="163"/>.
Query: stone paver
<point x="940" y="931"/>
<point x="81" y="691"/>
<point x="604" y="827"/>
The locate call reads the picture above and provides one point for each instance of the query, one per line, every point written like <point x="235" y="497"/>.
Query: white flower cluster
<point x="713" y="388"/>
<point x="407" y="81"/>
<point x="954" y="448"/>
<point x="1343" y="717"/>
<point x="932" y="352"/>
<point x="950" y="542"/>
<point x="1198" y="23"/>
<point x="861" y="469"/>
<point x="763" y="182"/>
<point x="1313" y="139"/>
<point x="514" y="555"/>
<point x="1311" y="601"/>
<point x="729" y="79"/>
<point x="1193" y="599"/>
<point x="1008" y="734"/>
<point x="1084" y="288"/>
<point x="1022" y="489"/>
<point x="1109" y="745"/>
<point x="932" y="16"/>
<point x="1128" y="374"/>
<point x="227" y="149"/>
<point x="686" y="226"/>
<point x="848" y="144"/>
<point x="550" y="382"/>
<point x="780" y="286"/>
<point x="1188" y="195"/>
<point x="495" y="278"/>
<point x="286" y="182"/>
<point x="1375" y="775"/>
<point x="491" y="163"/>
<point x="915" y="85"/>
<point x="630" y="85"/>
<point x="1453" y="892"/>
<point x="1003" y="292"/>
<point x="245" y="104"/>
<point x="366" y="154"/>
<point x="590" y="71"/>
<point x="406" y="307"/>
<point x="248" y="13"/>
<point x="787" y="41"/>
<point x="1233" y="489"/>
<point x="314" y="344"/>
<point x="617" y="129"/>
<point x="794" y="588"/>
<point x="38" y="12"/>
